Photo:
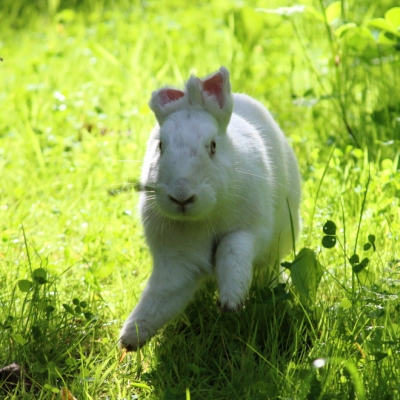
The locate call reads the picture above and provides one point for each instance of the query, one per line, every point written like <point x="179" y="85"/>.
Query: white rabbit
<point x="219" y="179"/>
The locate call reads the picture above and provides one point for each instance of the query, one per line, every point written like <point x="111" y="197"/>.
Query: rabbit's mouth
<point x="188" y="208"/>
<point x="182" y="206"/>
<point x="185" y="202"/>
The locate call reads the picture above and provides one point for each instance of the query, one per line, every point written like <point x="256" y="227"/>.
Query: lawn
<point x="75" y="80"/>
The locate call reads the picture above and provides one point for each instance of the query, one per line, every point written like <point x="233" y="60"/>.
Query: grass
<point x="73" y="126"/>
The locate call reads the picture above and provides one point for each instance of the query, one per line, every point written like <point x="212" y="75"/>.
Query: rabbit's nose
<point x="182" y="182"/>
<point x="182" y="202"/>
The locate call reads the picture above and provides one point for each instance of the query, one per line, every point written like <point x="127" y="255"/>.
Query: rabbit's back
<point x="283" y="175"/>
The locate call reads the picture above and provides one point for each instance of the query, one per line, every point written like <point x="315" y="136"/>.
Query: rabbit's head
<point x="190" y="151"/>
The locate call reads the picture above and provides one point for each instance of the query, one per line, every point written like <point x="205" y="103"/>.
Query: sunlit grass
<point x="73" y="128"/>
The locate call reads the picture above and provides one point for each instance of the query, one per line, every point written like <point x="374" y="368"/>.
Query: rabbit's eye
<point x="160" y="146"/>
<point x="213" y="147"/>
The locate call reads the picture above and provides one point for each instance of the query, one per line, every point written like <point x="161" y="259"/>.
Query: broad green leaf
<point x="354" y="259"/>
<point x="88" y="315"/>
<point x="19" y="339"/>
<point x="329" y="241"/>
<point x="329" y="228"/>
<point x="393" y="16"/>
<point x="306" y="273"/>
<point x="52" y="368"/>
<point x="71" y="362"/>
<point x="37" y="367"/>
<point x="367" y="246"/>
<point x="344" y="28"/>
<point x="359" y="267"/>
<point x="384" y="24"/>
<point x="383" y="39"/>
<point x="40" y="275"/>
<point x="85" y="373"/>
<point x="25" y="285"/>
<point x="359" y="38"/>
<point x="49" y="309"/>
<point x="333" y="11"/>
<point x="371" y="239"/>
<point x="51" y="388"/>
<point x="345" y="303"/>
<point x="69" y="309"/>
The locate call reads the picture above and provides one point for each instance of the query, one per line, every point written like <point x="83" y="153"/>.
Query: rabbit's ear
<point x="214" y="87"/>
<point x="165" y="101"/>
<point x="167" y="95"/>
<point x="215" y="95"/>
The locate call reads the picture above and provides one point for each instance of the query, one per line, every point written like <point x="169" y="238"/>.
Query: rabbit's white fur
<point x="217" y="189"/>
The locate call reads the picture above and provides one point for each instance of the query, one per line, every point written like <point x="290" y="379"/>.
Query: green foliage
<point x="75" y="80"/>
<point x="306" y="273"/>
<point x="361" y="62"/>
<point x="41" y="335"/>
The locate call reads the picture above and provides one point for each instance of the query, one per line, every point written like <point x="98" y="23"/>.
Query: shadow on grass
<point x="218" y="355"/>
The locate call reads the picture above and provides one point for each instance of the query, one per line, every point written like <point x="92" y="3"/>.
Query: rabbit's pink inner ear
<point x="168" y="95"/>
<point x="214" y="86"/>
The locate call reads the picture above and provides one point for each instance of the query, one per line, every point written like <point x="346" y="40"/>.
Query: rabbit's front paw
<point x="134" y="335"/>
<point x="228" y="308"/>
<point x="227" y="305"/>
